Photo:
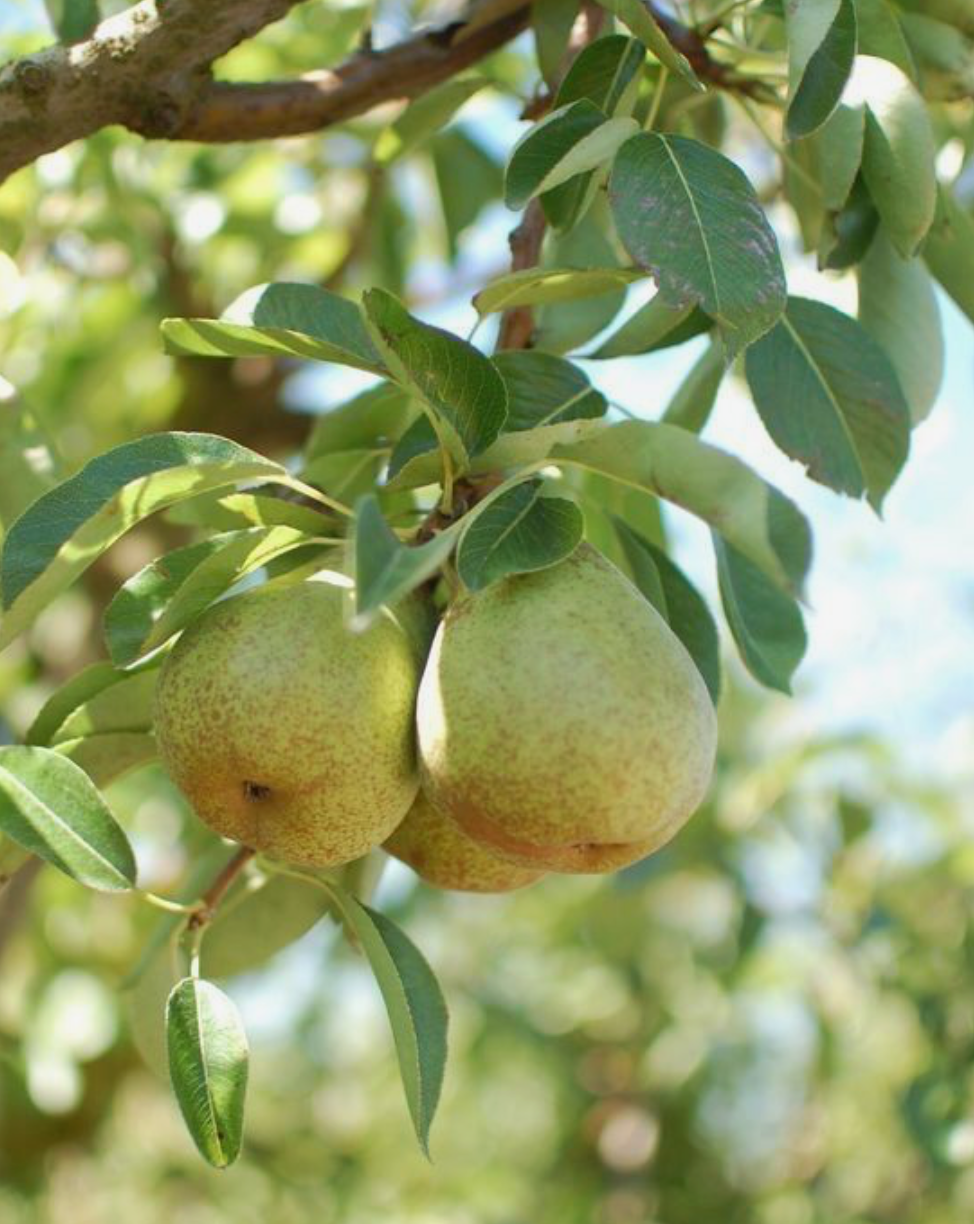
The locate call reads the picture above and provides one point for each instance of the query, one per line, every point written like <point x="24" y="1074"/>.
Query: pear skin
<point x="286" y="731"/>
<point x="561" y="723"/>
<point x="441" y="854"/>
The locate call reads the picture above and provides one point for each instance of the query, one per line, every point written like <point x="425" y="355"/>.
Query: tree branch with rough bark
<point x="149" y="70"/>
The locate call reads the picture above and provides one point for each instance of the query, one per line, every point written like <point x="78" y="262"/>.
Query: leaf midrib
<point x="700" y="226"/>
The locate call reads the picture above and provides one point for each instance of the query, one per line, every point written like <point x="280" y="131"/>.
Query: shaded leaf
<point x="106" y="756"/>
<point x="536" y="286"/>
<point x="949" y="251"/>
<point x="849" y="233"/>
<point x="673" y="595"/>
<point x="83" y="685"/>
<point x="27" y="464"/>
<point x="385" y="568"/>
<point x="414" y="1002"/>
<point x="712" y="484"/>
<point x="838" y="145"/>
<point x="166" y="595"/>
<point x="570" y="141"/>
<point x="282" y="319"/>
<point x="468" y="178"/>
<point x="560" y="326"/>
<point x="51" y="808"/>
<point x="766" y="624"/>
<point x="829" y="397"/>
<point x="635" y="15"/>
<point x="898" y="307"/>
<point x="694" y="399"/>
<point x="457" y="383"/>
<point x="375" y="417"/>
<point x="692" y="218"/>
<point x="654" y="326"/>
<point x="424" y="117"/>
<point x="64" y="531"/>
<point x="881" y="34"/>
<point x="208" y="1064"/>
<point x="899" y="151"/>
<point x="543" y="389"/>
<point x="821" y="50"/>
<point x="73" y="20"/>
<point x="519" y="532"/>
<point x="125" y="706"/>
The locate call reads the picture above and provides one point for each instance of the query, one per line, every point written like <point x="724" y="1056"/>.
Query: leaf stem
<point x="654" y="109"/>
<point x="171" y="907"/>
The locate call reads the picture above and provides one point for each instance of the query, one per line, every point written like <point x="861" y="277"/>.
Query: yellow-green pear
<point x="440" y="853"/>
<point x="287" y="731"/>
<point x="561" y="722"/>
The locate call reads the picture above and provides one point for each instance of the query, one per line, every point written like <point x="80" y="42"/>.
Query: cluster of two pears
<point x="556" y="724"/>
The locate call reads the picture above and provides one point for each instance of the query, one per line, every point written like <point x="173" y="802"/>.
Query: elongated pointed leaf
<point x="838" y="146"/>
<point x="829" y="396"/>
<point x="208" y="1064"/>
<point x="949" y="251"/>
<point x="51" y="808"/>
<point x="694" y="399"/>
<point x="82" y="686"/>
<point x="766" y="624"/>
<point x="414" y="1002"/>
<point x="123" y="706"/>
<point x="821" y="50"/>
<point x="636" y="16"/>
<point x="521" y="531"/>
<point x="456" y="382"/>
<point x="654" y="326"/>
<point x="571" y="140"/>
<point x="544" y="389"/>
<point x="166" y="595"/>
<point x="899" y="152"/>
<point x="425" y="116"/>
<point x="385" y="568"/>
<point x="898" y="307"/>
<point x="717" y="487"/>
<point x="676" y="598"/>
<point x="538" y="286"/>
<point x="291" y="320"/>
<point x="606" y="73"/>
<point x="691" y="217"/>
<point x="108" y="755"/>
<point x="64" y="531"/>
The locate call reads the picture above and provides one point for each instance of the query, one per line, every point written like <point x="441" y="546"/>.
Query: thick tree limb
<point x="148" y="70"/>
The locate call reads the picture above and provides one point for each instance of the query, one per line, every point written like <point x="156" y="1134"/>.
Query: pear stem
<point x="209" y="903"/>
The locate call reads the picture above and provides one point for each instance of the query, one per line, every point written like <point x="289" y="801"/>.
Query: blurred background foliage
<point x="771" y="1022"/>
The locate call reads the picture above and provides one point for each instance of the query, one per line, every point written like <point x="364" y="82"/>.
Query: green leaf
<point x="414" y="1002"/>
<point x="519" y="532"/>
<point x="692" y="218"/>
<point x="552" y="22"/>
<point x="654" y="326"/>
<point x="717" y="487"/>
<point x="635" y="15"/>
<point x="257" y="920"/>
<point x="829" y="397"/>
<point x="838" y="146"/>
<point x="73" y="20"/>
<point x="899" y="152"/>
<point x="467" y="177"/>
<point x="767" y="625"/>
<point x="51" y="808"/>
<point x="848" y="234"/>
<point x="537" y="286"/>
<point x="458" y="384"/>
<point x="229" y="511"/>
<point x="673" y="595"/>
<point x="208" y="1064"/>
<point x="606" y="73"/>
<point x="83" y="685"/>
<point x="821" y="50"/>
<point x="107" y="756"/>
<point x="943" y="55"/>
<point x="64" y="531"/>
<point x="12" y="858"/>
<point x="694" y="399"/>
<point x="881" y="34"/>
<point x="949" y="251"/>
<point x="571" y="140"/>
<point x="374" y="418"/>
<point x="543" y="389"/>
<point x="386" y="569"/>
<point x="564" y="325"/>
<point x="425" y="116"/>
<point x="173" y="590"/>
<point x="125" y="706"/>
<point x="898" y="307"/>
<point x="291" y="320"/>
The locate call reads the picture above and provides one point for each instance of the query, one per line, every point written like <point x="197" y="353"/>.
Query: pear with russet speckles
<point x="561" y="723"/>
<point x="287" y="731"/>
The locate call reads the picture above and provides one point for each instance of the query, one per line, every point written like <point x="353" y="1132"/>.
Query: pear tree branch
<point x="148" y="69"/>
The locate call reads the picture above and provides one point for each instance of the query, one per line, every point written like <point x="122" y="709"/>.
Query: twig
<point x="210" y="900"/>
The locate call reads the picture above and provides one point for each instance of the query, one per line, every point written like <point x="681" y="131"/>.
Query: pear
<point x="441" y="854"/>
<point x="561" y="723"/>
<point x="286" y="731"/>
